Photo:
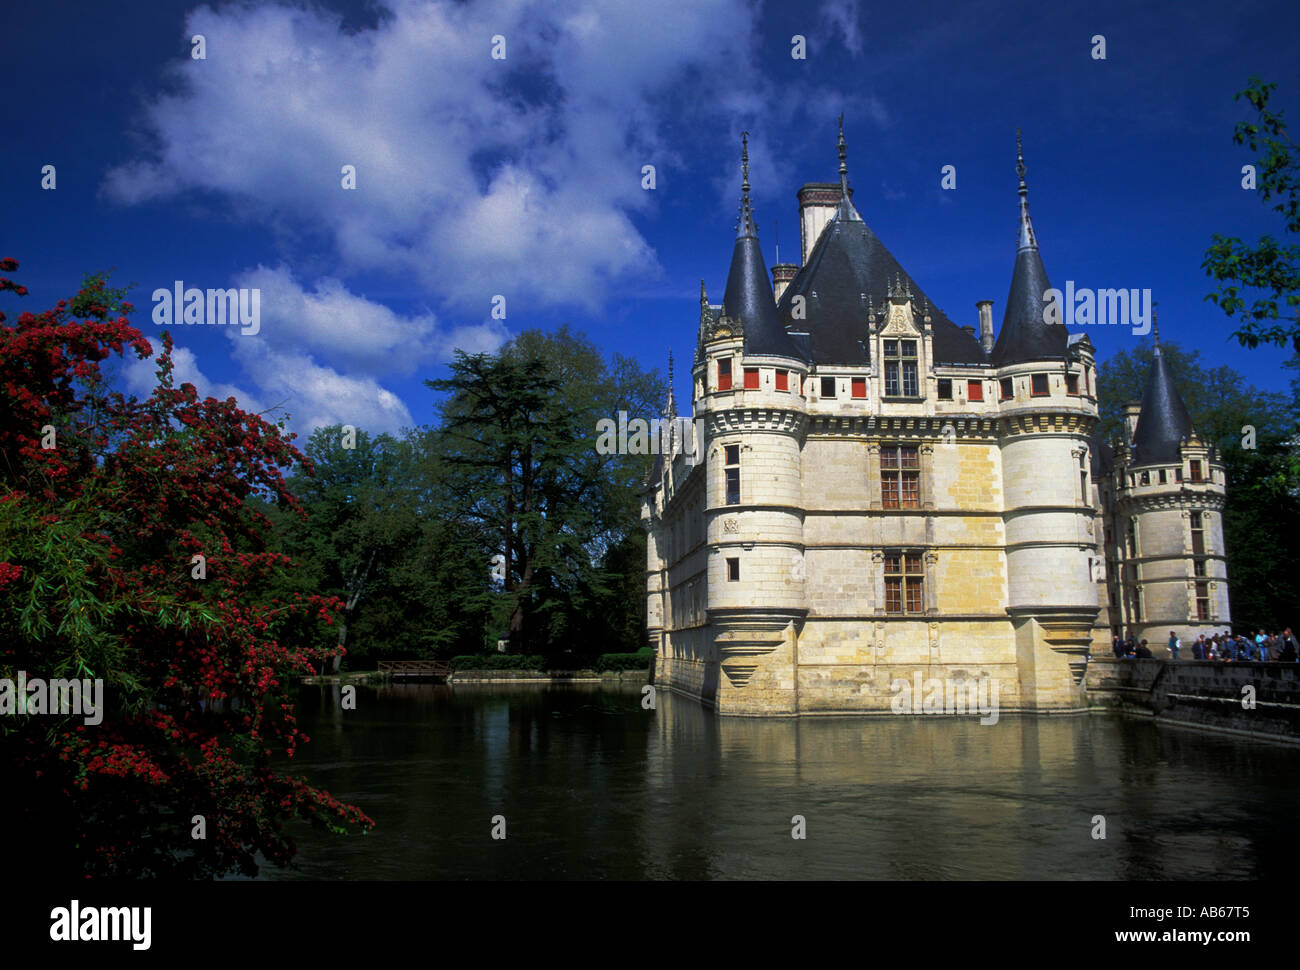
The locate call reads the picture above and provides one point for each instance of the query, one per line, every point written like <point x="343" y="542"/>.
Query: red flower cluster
<point x="196" y="693"/>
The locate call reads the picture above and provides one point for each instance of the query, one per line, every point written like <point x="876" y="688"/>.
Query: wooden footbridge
<point x="422" y="669"/>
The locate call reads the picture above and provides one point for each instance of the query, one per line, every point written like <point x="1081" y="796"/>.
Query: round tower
<point x="753" y="417"/>
<point x="1047" y="413"/>
<point x="1169" y="514"/>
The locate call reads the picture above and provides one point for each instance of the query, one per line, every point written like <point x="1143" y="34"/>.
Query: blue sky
<point x="522" y="177"/>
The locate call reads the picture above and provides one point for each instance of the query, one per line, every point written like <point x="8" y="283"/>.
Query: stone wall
<point x="1204" y="694"/>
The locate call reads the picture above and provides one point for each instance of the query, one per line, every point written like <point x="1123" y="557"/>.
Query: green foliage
<point x="1269" y="268"/>
<point x="625" y="661"/>
<point x="499" y="661"/>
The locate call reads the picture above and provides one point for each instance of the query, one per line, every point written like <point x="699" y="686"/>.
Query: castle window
<point x="724" y="374"/>
<point x="1038" y="386"/>
<point x="751" y="378"/>
<point x="945" y="389"/>
<point x="1202" y="601"/>
<point x="974" y="390"/>
<point x="828" y="387"/>
<point x="1198" y="534"/>
<point x="859" y="387"/>
<point x="900" y="477"/>
<point x="783" y="380"/>
<point x="904" y="581"/>
<point x="1178" y="474"/>
<point x="1008" y="389"/>
<point x="1083" y="478"/>
<point x="1072" y="384"/>
<point x="1196" y="471"/>
<point x="1162" y="476"/>
<point x="731" y="463"/>
<point x="1198" y="567"/>
<point x="900" y="369"/>
<point x="1146" y="478"/>
<point x="733" y="570"/>
<point x="1132" y="537"/>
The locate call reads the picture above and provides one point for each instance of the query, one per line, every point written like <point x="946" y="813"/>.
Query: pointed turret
<point x="748" y="296"/>
<point x="1026" y="335"/>
<point x="1163" y="422"/>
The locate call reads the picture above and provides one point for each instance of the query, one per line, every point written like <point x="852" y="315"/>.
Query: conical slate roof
<point x="848" y="270"/>
<point x="1163" y="421"/>
<point x="748" y="296"/>
<point x="1026" y="335"/>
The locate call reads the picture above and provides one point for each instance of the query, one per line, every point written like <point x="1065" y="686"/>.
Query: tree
<point x="132" y="552"/>
<point x="519" y="441"/>
<point x="1269" y="267"/>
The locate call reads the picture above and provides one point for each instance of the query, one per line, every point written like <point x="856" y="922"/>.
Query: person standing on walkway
<point x="1174" y="644"/>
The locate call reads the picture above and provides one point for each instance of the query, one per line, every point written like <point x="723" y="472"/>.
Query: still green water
<point x="594" y="787"/>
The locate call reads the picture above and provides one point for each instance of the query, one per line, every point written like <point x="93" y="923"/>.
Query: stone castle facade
<point x="867" y="490"/>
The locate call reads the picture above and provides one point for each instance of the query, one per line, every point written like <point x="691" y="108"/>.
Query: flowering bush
<point x="105" y="503"/>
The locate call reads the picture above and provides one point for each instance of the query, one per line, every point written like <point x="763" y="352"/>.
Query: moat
<point x="592" y="786"/>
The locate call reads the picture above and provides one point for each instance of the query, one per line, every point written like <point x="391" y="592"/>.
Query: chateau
<point x="869" y="490"/>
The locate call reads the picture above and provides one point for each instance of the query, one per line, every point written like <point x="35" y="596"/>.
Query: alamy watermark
<point x="1084" y="307"/>
<point x="84" y="698"/>
<point x="223" y="307"/>
<point x="946" y="695"/>
<point x="657" y="436"/>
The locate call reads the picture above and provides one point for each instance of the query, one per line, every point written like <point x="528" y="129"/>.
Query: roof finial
<point x="670" y="406"/>
<point x="844" y="166"/>
<point x="746" y="227"/>
<point x="1027" y="238"/>
<point x="1155" y="328"/>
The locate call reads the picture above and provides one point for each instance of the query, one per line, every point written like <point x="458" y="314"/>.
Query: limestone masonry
<point x="879" y="491"/>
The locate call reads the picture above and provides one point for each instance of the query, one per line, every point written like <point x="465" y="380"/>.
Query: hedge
<point x="625" y="661"/>
<point x="499" y="661"/>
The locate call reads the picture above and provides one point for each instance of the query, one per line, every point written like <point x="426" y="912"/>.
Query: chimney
<point x="985" y="308"/>
<point x="969" y="329"/>
<point x="1131" y="411"/>
<point x="817" y="204"/>
<point x="782" y="274"/>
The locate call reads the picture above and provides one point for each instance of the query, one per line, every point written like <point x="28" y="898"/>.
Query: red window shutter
<point x="859" y="387"/>
<point x="974" y="390"/>
<point x="724" y="375"/>
<point x="783" y="380"/>
<point x="751" y="378"/>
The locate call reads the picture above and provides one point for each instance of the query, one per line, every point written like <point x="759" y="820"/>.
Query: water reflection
<point x="594" y="787"/>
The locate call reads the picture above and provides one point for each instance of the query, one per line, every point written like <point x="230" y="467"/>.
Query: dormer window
<point x="1196" y="471"/>
<point x="901" y="369"/>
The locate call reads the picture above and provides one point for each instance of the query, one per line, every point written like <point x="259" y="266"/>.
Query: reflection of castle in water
<point x="879" y="490"/>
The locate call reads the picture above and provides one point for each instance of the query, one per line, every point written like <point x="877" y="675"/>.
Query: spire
<point x="1027" y="238"/>
<point x="845" y="210"/>
<point x="748" y="296"/>
<point x="1163" y="422"/>
<point x="1026" y="335"/>
<point x="1155" y="329"/>
<point x="670" y="405"/>
<point x="746" y="226"/>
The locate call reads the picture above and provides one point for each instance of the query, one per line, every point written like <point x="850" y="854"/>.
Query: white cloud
<point x="841" y="17"/>
<point x="476" y="176"/>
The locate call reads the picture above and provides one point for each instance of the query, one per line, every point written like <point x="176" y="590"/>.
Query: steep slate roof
<point x="1025" y="335"/>
<point x="848" y="267"/>
<point x="1163" y="421"/>
<point x="748" y="296"/>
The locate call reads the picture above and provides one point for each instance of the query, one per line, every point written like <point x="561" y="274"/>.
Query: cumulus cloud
<point x="517" y="177"/>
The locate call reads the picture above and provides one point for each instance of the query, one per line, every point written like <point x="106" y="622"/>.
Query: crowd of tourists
<point x="1227" y="647"/>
